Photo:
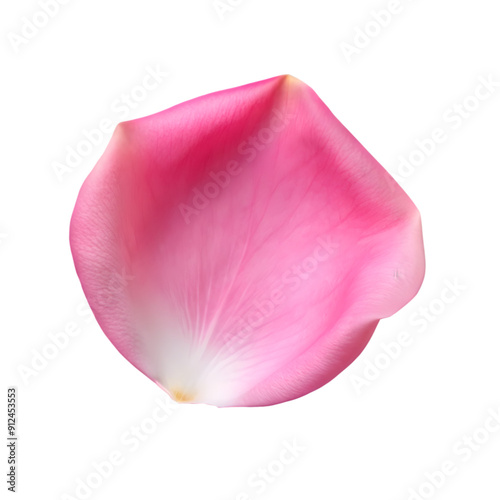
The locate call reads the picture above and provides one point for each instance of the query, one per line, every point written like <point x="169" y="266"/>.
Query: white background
<point x="378" y="441"/>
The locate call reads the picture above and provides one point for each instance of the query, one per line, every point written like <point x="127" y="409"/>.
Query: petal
<point x="240" y="248"/>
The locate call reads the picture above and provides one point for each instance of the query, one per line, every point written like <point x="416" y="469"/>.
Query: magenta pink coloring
<point x="240" y="248"/>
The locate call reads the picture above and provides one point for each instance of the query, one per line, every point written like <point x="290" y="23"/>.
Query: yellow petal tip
<point x="180" y="396"/>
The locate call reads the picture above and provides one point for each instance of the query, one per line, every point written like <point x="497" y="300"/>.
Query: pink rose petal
<point x="240" y="248"/>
